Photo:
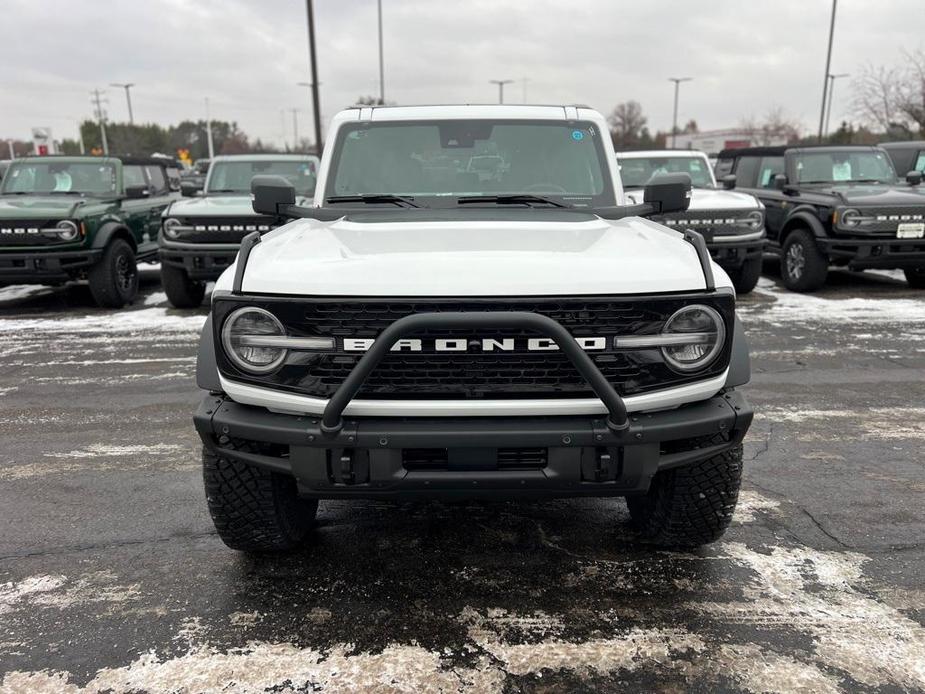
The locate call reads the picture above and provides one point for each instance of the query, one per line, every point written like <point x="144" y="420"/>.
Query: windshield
<point x="235" y="176"/>
<point x="636" y="172"/>
<point x="437" y="162"/>
<point x="85" y="178"/>
<point x="847" y="166"/>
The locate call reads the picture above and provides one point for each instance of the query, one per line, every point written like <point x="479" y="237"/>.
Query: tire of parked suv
<point x="182" y="292"/>
<point x="689" y="506"/>
<point x="803" y="267"/>
<point x="915" y="277"/>
<point x="114" y="280"/>
<point x="253" y="509"/>
<point x="745" y="278"/>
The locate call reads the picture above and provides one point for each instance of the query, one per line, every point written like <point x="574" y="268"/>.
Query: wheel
<point x="691" y="505"/>
<point x="114" y="280"/>
<point x="255" y="510"/>
<point x="745" y="277"/>
<point x="182" y="292"/>
<point x="915" y="277"/>
<point x="803" y="268"/>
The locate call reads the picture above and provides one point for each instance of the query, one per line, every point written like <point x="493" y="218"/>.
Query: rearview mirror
<point x="913" y="178"/>
<point x="189" y="189"/>
<point x="780" y="180"/>
<point x="268" y="193"/>
<point x="137" y="192"/>
<point x="729" y="182"/>
<point x="668" y="193"/>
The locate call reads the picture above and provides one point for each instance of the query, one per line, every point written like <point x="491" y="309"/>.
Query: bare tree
<point x="627" y="124"/>
<point x="774" y="128"/>
<point x="912" y="89"/>
<point x="892" y="98"/>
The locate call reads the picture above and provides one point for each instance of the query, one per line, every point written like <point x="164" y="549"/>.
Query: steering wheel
<point x="545" y="188"/>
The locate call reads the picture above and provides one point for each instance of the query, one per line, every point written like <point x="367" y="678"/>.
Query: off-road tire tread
<point x="745" y="278"/>
<point x="255" y="510"/>
<point x="182" y="292"/>
<point x="692" y="505"/>
<point x="102" y="278"/>
<point x="816" y="268"/>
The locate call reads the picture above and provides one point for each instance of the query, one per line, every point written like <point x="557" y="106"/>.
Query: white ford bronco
<point x="471" y="309"/>
<point x="731" y="222"/>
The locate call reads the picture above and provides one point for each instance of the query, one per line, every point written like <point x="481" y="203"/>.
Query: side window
<point x="133" y="175"/>
<point x="919" y="163"/>
<point x="173" y="178"/>
<point x="157" y="179"/>
<point x="723" y="168"/>
<point x="770" y="167"/>
<point x="746" y="172"/>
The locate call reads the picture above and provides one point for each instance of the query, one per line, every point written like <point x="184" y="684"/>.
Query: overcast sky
<point x="248" y="55"/>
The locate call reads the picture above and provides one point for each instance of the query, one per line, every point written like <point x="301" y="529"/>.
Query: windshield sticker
<point x="577" y="135"/>
<point x="841" y="171"/>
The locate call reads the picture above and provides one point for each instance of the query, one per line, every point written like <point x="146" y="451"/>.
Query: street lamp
<point x="500" y="84"/>
<point x="313" y="59"/>
<point x="674" y="121"/>
<point x="128" y="97"/>
<point x="828" y="112"/>
<point x="828" y="62"/>
<point x="381" y="62"/>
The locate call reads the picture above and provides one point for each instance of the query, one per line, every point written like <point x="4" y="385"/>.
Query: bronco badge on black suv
<point x="201" y="234"/>
<point x="73" y="218"/>
<point x="840" y="206"/>
<point x="470" y="309"/>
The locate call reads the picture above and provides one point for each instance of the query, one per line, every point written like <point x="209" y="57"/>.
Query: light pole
<point x="828" y="61"/>
<point x="209" y="131"/>
<point x="674" y="120"/>
<point x="128" y="97"/>
<point x="500" y="84"/>
<point x="828" y="111"/>
<point x="381" y="62"/>
<point x="316" y="105"/>
<point x="101" y="118"/>
<point x="295" y="129"/>
<point x="13" y="153"/>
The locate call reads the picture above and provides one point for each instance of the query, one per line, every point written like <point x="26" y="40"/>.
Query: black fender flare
<point x="803" y="218"/>
<point x="110" y="231"/>
<point x="740" y="368"/>
<point x="206" y="368"/>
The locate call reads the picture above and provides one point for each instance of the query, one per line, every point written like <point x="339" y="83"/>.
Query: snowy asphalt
<point x="112" y="579"/>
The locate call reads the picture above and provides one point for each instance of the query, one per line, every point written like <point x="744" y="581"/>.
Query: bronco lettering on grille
<point x="507" y="344"/>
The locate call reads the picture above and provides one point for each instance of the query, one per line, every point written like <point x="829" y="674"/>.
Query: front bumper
<point x="381" y="456"/>
<point x="884" y="252"/>
<point x="731" y="252"/>
<point x="45" y="267"/>
<point x="201" y="261"/>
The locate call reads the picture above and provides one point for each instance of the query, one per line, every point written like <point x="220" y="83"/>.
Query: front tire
<point x="745" y="278"/>
<point x="803" y="267"/>
<point x="253" y="509"/>
<point x="690" y="506"/>
<point x="114" y="280"/>
<point x="915" y="277"/>
<point x="182" y="292"/>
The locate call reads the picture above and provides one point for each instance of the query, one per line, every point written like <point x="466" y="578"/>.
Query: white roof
<point x="467" y="111"/>
<point x="649" y="153"/>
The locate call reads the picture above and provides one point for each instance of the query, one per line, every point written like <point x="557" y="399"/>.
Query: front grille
<point x="414" y="459"/>
<point x="709" y="222"/>
<point x="474" y="374"/>
<point x="28" y="233"/>
<point x="885" y="220"/>
<point x="223" y="229"/>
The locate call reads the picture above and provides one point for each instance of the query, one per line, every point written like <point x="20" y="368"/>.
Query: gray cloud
<point x="247" y="55"/>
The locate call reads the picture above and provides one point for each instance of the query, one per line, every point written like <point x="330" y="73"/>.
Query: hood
<point x="41" y="206"/>
<point x="218" y="206"/>
<point x="565" y="256"/>
<point x="874" y="196"/>
<point x="709" y="199"/>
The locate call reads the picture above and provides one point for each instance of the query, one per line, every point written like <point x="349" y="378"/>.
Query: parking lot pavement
<point x="111" y="577"/>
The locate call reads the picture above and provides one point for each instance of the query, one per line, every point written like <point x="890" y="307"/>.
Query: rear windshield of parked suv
<point x="56" y="177"/>
<point x="846" y="166"/>
<point x="235" y="176"/>
<point x="636" y="172"/>
<point x="437" y="162"/>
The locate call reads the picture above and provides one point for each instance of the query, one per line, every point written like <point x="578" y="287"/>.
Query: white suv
<point x="470" y="309"/>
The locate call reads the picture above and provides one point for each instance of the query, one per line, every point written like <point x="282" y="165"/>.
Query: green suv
<point x="81" y="218"/>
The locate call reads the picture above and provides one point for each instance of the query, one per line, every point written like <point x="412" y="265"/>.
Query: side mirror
<point x="189" y="189"/>
<point x="137" y="192"/>
<point x="668" y="193"/>
<point x="780" y="180"/>
<point x="914" y="178"/>
<point x="729" y="182"/>
<point x="268" y="193"/>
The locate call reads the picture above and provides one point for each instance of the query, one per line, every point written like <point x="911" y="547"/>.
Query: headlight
<point x="66" y="230"/>
<point x="170" y="227"/>
<point x="243" y="337"/>
<point x="754" y="220"/>
<point x="849" y="218"/>
<point x="700" y="333"/>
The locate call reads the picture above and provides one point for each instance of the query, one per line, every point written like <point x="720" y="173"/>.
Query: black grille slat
<point x="15" y="233"/>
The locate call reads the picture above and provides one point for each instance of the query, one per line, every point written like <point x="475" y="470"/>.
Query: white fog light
<point x="243" y="329"/>
<point x="705" y="332"/>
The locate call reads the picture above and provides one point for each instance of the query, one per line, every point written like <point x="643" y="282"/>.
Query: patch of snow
<point x="23" y="291"/>
<point x="106" y="450"/>
<point x="146" y="320"/>
<point x="809" y="308"/>
<point x="752" y="503"/>
<point x="155" y="299"/>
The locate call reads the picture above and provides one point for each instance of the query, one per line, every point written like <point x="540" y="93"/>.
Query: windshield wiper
<point x="227" y="190"/>
<point x="514" y="199"/>
<point x="865" y="180"/>
<point x="375" y="199"/>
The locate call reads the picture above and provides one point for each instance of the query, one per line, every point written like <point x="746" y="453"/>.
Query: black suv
<point x="840" y="206"/>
